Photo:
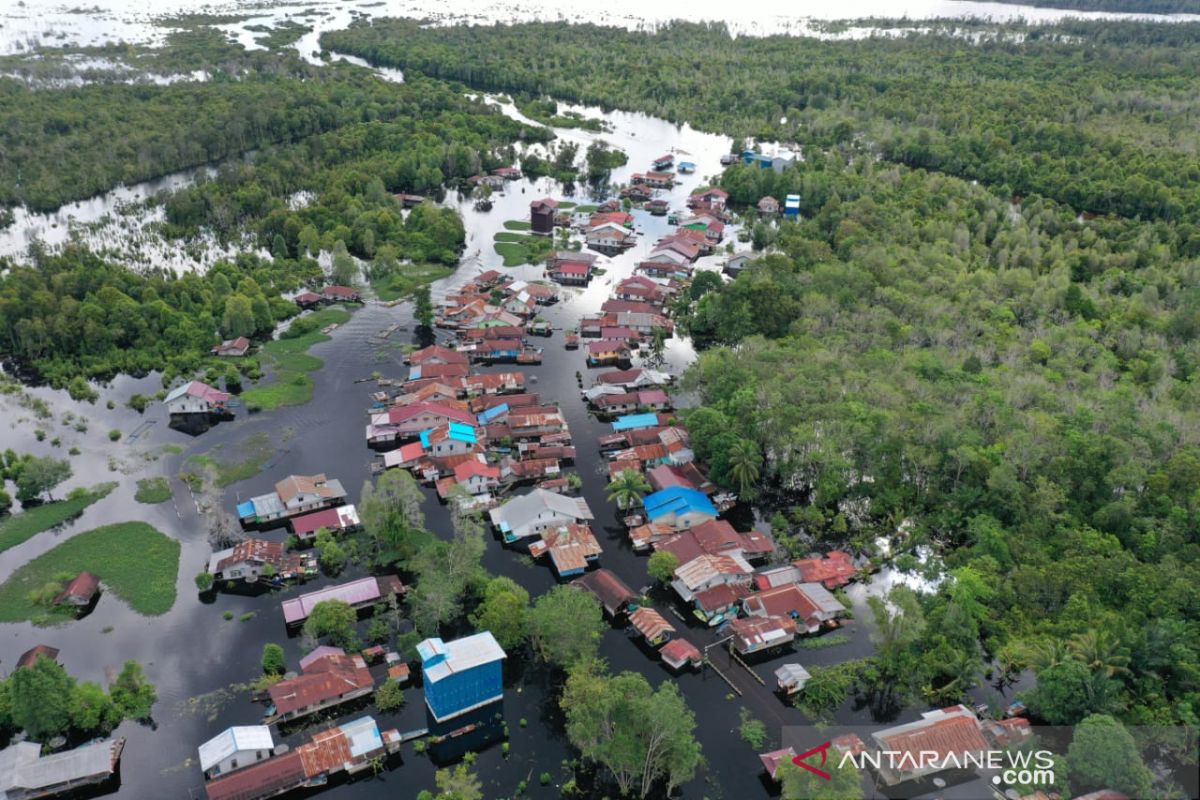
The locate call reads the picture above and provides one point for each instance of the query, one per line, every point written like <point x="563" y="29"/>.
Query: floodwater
<point x="28" y="24"/>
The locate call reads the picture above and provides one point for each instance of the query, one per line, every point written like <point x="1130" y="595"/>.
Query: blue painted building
<point x="791" y="206"/>
<point x="631" y="422"/>
<point x="680" y="507"/>
<point x="461" y="675"/>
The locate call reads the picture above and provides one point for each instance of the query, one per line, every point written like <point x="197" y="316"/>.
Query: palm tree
<point x="1044" y="654"/>
<point x="745" y="463"/>
<point x="1100" y="651"/>
<point x="628" y="488"/>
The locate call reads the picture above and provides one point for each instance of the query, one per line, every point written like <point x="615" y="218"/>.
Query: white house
<point x="537" y="512"/>
<point x="235" y="748"/>
<point x="708" y="571"/>
<point x="609" y="236"/>
<point x="736" y="263"/>
<point x="196" y="398"/>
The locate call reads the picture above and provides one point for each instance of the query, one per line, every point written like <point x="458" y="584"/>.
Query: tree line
<point x="1095" y="115"/>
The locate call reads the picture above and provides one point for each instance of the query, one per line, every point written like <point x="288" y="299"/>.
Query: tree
<point x="1099" y="651"/>
<point x="344" y="267"/>
<point x="752" y="730"/>
<point x="238" y="318"/>
<point x="658" y="347"/>
<point x="1067" y="692"/>
<point x="41" y="699"/>
<point x="423" y="307"/>
<point x="628" y="488"/>
<point x="662" y="565"/>
<point x="391" y="514"/>
<point x="845" y="783"/>
<point x="566" y="625"/>
<point x="92" y="709"/>
<point x="39" y="476"/>
<point x="334" y="620"/>
<point x="273" y="660"/>
<point x="639" y="735"/>
<point x="459" y="783"/>
<point x="331" y="556"/>
<point x="390" y="695"/>
<point x="132" y="693"/>
<point x="505" y="612"/>
<point x="745" y="463"/>
<point x="1103" y="755"/>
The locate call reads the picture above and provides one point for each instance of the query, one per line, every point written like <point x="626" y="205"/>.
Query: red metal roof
<point x="82" y="587"/>
<point x="30" y="656"/>
<point x="833" y="570"/>
<point x="324" y="680"/>
<point x="264" y="779"/>
<point x="678" y="651"/>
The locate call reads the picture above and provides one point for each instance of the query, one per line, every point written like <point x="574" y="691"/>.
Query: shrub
<point x="389" y="696"/>
<point x="114" y="435"/>
<point x="204" y="581"/>
<point x="273" y="661"/>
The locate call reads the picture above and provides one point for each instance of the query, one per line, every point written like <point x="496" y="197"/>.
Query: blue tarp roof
<point x="631" y="422"/>
<point x="459" y="431"/>
<point x="677" y="500"/>
<point x="245" y="509"/>
<point x="492" y="413"/>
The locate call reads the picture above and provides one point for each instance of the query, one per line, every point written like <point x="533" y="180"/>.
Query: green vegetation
<point x="389" y="696"/>
<point x="662" y="565"/>
<point x="134" y="561"/>
<point x="334" y="621"/>
<point x="517" y="225"/>
<point x="505" y="612"/>
<point x="247" y="459"/>
<point x="638" y="735"/>
<point x="1075" y="137"/>
<point x="566" y="626"/>
<point x="273" y="661"/>
<point x="753" y="731"/>
<point x="44" y="701"/>
<point x="1104" y="755"/>
<point x="406" y="279"/>
<point x="289" y="357"/>
<point x="75" y="313"/>
<point x="20" y="527"/>
<point x="518" y="248"/>
<point x="153" y="490"/>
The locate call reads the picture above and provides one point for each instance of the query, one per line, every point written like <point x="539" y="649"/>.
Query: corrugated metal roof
<point x="363" y="590"/>
<point x="464" y="654"/>
<point x="234" y="740"/>
<point x="22" y="768"/>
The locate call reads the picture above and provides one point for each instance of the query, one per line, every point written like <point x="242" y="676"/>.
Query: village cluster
<point x="487" y="440"/>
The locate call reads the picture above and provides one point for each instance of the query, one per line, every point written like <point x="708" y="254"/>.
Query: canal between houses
<point x="199" y="661"/>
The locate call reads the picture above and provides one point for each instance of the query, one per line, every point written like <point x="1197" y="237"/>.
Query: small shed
<point x="652" y="625"/>
<point x="679" y="653"/>
<point x="30" y="656"/>
<point x="791" y="678"/>
<point x="772" y="760"/>
<point x="80" y="592"/>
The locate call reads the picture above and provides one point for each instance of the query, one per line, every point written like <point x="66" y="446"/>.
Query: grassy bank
<point x="245" y="461"/>
<point x="24" y="526"/>
<point x="289" y="359"/>
<point x="153" y="490"/>
<point x="521" y="248"/>
<point x="408" y="279"/>
<point x="134" y="561"/>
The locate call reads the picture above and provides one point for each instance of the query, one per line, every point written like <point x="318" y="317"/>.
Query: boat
<point x="571" y="341"/>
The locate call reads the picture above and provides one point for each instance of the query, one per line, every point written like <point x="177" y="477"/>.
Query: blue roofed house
<point x="679" y="507"/>
<point x="486" y="417"/>
<point x="632" y="422"/>
<point x="449" y="439"/>
<point x="461" y="675"/>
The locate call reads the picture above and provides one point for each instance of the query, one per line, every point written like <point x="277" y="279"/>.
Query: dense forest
<point x="944" y="352"/>
<point x="1100" y="117"/>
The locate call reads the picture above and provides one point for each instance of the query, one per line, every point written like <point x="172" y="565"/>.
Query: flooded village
<point x="540" y="398"/>
<point x="545" y="398"/>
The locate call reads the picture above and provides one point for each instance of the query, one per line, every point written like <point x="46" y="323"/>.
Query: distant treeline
<point x="1098" y="116"/>
<point x="1117" y="6"/>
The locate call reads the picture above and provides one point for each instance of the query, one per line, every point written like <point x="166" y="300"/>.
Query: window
<point x="233" y="764"/>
